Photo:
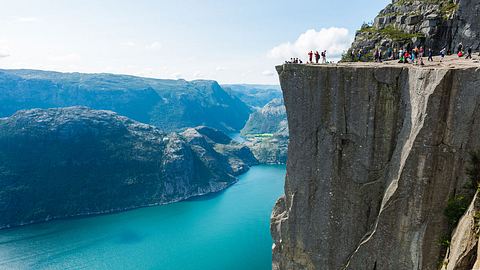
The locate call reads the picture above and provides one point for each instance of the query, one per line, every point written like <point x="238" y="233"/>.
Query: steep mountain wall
<point x="375" y="154"/>
<point x="435" y="24"/>
<point x="75" y="161"/>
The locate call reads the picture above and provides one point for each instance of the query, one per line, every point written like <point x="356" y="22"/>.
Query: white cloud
<point x="220" y="68"/>
<point x="267" y="73"/>
<point x="26" y="19"/>
<point x="156" y="45"/>
<point x="3" y="55"/>
<point x="334" y="40"/>
<point x="129" y="44"/>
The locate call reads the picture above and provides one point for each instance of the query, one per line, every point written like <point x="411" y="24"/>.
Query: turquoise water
<point x="237" y="137"/>
<point x="229" y="230"/>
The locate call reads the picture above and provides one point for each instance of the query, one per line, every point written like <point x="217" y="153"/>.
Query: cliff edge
<point x="376" y="151"/>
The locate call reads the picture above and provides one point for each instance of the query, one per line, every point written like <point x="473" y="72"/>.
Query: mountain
<point x="254" y="95"/>
<point x="57" y="163"/>
<point x="272" y="119"/>
<point x="434" y="24"/>
<point x="266" y="133"/>
<point x="167" y="104"/>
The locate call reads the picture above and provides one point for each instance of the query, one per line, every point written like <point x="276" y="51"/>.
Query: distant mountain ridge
<point x="254" y="95"/>
<point x="272" y="119"/>
<point x="168" y="104"/>
<point x="266" y="133"/>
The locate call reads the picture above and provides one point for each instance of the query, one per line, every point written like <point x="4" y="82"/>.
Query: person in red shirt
<point x="310" y="56"/>
<point x="317" y="57"/>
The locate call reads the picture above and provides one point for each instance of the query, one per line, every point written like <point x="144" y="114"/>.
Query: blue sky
<point x="228" y="41"/>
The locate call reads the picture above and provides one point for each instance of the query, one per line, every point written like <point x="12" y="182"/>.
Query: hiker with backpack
<point x="317" y="57"/>
<point x="442" y="54"/>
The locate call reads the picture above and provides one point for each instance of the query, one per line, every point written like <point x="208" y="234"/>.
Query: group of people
<point x="317" y="57"/>
<point x="461" y="53"/>
<point x="414" y="56"/>
<point x="311" y="54"/>
<point x="403" y="55"/>
<point x="408" y="55"/>
<point x="294" y="61"/>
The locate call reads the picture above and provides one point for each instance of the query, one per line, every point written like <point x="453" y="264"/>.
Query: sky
<point x="229" y="41"/>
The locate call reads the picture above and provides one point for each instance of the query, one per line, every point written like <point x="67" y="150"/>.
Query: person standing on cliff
<point x="310" y="57"/>
<point x="469" y="53"/>
<point x="460" y="47"/>
<point x="430" y="55"/>
<point x="324" y="57"/>
<point x="442" y="54"/>
<point x="352" y="55"/>
<point x="415" y="56"/>
<point x="317" y="57"/>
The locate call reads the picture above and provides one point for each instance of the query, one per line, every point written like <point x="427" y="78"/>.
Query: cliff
<point x="59" y="163"/>
<point x="434" y="24"/>
<point x="375" y="154"/>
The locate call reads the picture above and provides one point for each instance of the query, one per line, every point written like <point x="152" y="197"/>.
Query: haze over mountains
<point x="59" y="161"/>
<point x="168" y="104"/>
<point x="254" y="95"/>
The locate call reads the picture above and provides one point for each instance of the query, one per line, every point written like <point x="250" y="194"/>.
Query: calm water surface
<point x="229" y="230"/>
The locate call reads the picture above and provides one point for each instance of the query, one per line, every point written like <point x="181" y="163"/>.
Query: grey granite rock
<point x="375" y="153"/>
<point x="435" y="24"/>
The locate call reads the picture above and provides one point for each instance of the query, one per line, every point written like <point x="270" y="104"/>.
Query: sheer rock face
<point x="374" y="155"/>
<point x="466" y="25"/>
<point x="75" y="161"/>
<point x="435" y="24"/>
